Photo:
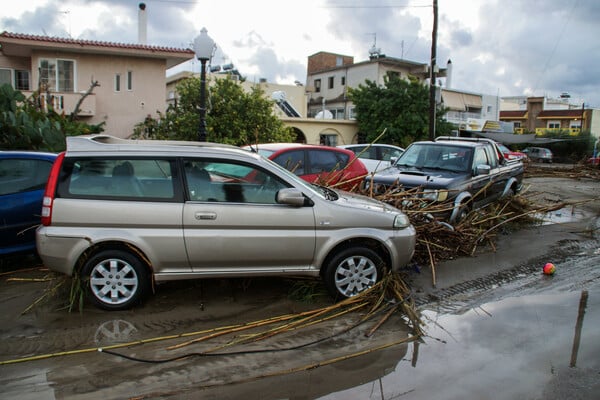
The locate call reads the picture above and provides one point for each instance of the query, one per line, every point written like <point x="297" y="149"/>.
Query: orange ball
<point x="549" y="269"/>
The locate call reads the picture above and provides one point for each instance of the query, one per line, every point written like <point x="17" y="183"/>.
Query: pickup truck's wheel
<point x="352" y="271"/>
<point x="115" y="280"/>
<point x="463" y="211"/>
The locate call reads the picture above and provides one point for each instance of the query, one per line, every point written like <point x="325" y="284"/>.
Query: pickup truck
<point x="466" y="173"/>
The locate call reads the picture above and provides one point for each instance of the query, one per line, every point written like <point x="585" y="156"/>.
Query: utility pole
<point x="432" y="68"/>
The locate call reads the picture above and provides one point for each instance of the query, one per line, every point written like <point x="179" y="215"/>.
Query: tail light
<point x="51" y="190"/>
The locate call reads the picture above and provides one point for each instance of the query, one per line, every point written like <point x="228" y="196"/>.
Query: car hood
<point x="413" y="177"/>
<point x="354" y="200"/>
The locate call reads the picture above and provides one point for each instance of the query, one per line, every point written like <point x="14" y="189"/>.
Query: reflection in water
<point x="578" y="325"/>
<point x="518" y="348"/>
<point x="114" y="331"/>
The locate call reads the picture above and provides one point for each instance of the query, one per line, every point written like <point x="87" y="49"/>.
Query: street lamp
<point x="204" y="47"/>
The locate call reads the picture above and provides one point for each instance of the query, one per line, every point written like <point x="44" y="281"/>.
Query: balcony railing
<point x="557" y="131"/>
<point x="66" y="102"/>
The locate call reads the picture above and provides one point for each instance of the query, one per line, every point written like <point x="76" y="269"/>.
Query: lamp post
<point x="203" y="47"/>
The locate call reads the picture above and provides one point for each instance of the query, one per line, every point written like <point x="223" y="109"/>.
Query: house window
<point x="343" y="81"/>
<point x="553" y="124"/>
<point x="317" y="85"/>
<point x="489" y="109"/>
<point x="517" y="124"/>
<point x="5" y="76"/>
<point x="339" y="61"/>
<point x="130" y="80"/>
<point x="58" y="74"/>
<point x="328" y="140"/>
<point x="575" y="124"/>
<point x="22" y="80"/>
<point x="352" y="113"/>
<point x="117" y="82"/>
<point x="330" y="82"/>
<point x="338" y="113"/>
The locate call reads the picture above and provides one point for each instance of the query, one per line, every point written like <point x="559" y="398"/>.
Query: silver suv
<point x="122" y="214"/>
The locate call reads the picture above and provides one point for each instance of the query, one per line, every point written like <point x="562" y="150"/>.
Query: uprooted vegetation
<point x="438" y="241"/>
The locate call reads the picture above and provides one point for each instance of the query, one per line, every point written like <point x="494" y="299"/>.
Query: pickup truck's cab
<point x="466" y="172"/>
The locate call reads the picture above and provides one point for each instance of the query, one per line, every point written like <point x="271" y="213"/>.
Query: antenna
<point x="68" y="14"/>
<point x="374" y="52"/>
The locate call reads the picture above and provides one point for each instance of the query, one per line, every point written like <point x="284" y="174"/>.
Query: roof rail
<point x="91" y="142"/>
<point x="465" y="139"/>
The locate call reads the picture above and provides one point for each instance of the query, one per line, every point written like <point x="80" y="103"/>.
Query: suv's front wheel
<point x="115" y="280"/>
<point x="352" y="271"/>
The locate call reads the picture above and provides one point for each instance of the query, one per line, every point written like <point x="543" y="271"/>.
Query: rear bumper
<point x="59" y="253"/>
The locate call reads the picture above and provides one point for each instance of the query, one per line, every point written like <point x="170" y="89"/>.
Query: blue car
<point x="23" y="176"/>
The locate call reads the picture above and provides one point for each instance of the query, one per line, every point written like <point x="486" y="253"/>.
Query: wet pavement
<point x="495" y="328"/>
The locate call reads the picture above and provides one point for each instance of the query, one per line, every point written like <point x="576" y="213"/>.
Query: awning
<point x="456" y="101"/>
<point x="511" y="138"/>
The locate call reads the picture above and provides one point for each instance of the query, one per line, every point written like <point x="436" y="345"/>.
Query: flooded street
<point x="494" y="328"/>
<point x="527" y="344"/>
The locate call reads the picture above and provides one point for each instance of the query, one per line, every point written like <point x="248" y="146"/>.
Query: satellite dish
<point x="278" y="95"/>
<point x="325" y="114"/>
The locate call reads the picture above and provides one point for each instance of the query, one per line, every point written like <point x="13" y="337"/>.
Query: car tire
<point x="351" y="271"/>
<point x="115" y="280"/>
<point x="463" y="211"/>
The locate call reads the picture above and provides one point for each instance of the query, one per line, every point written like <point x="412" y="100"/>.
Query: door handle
<point x="205" y="215"/>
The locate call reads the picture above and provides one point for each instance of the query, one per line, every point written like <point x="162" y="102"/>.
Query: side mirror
<point x="483" y="169"/>
<point x="290" y="196"/>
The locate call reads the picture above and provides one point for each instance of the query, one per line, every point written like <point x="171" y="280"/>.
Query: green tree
<point x="25" y="125"/>
<point x="233" y="116"/>
<point x="400" y="108"/>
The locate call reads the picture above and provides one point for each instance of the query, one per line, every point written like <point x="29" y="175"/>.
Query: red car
<point x="511" y="155"/>
<point x="323" y="165"/>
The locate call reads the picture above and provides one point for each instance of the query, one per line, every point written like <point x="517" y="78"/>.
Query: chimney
<point x="449" y="74"/>
<point x="142" y="22"/>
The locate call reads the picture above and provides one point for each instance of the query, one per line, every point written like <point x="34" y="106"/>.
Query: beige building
<point x="330" y="75"/>
<point x="130" y="78"/>
<point x="290" y="104"/>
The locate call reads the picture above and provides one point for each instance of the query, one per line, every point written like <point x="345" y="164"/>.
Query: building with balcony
<point x="329" y="76"/>
<point x="549" y="117"/>
<point x="127" y="81"/>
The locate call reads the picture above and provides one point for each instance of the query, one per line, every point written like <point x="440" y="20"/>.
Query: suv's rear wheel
<point x="352" y="271"/>
<point x="115" y="280"/>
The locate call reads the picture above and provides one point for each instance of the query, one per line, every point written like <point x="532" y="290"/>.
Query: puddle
<point x="544" y="346"/>
<point x="564" y="215"/>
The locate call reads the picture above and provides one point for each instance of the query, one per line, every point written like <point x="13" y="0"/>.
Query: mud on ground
<point x="180" y="310"/>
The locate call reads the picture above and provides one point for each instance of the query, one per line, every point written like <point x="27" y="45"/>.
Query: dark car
<point x="23" y="177"/>
<point x="465" y="173"/>
<point x="539" y="154"/>
<point x="324" y="165"/>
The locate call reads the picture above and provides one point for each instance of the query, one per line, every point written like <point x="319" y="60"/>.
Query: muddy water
<point x="538" y="339"/>
<point x="496" y="328"/>
<point x="515" y="339"/>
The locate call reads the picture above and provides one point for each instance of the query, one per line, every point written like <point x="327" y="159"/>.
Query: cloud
<point x="510" y="47"/>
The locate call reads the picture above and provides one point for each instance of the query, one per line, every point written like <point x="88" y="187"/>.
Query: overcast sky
<point x="497" y="47"/>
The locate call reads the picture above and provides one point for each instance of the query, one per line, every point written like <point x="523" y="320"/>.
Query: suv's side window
<point x="230" y="182"/>
<point x="119" y="177"/>
<point x="480" y="158"/>
<point x="491" y="155"/>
